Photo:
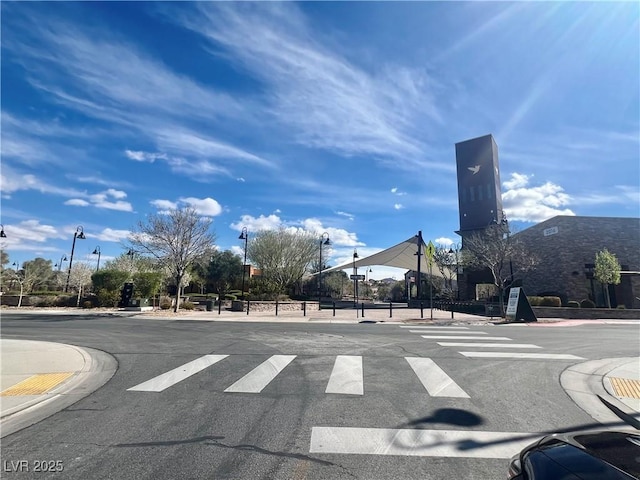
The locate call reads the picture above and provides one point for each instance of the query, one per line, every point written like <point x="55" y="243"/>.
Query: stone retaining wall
<point x="586" y="313"/>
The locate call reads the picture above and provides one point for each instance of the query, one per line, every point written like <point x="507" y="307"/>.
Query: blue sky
<point x="326" y="116"/>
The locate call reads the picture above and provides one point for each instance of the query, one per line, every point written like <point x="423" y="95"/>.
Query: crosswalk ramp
<point x="346" y="376"/>
<point x="452" y="336"/>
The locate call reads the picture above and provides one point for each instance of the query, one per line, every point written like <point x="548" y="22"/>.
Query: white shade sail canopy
<point x="403" y="255"/>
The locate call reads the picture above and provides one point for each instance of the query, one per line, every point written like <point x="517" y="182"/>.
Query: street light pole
<point x="97" y="252"/>
<point x="244" y="235"/>
<point x="62" y="259"/>
<point x="355" y="279"/>
<point x="78" y="234"/>
<point x="322" y="242"/>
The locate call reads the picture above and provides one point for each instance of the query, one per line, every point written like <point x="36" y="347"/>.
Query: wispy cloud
<point x="114" y="81"/>
<point x="110" y="199"/>
<point x="327" y="101"/>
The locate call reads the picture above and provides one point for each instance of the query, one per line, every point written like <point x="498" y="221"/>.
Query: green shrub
<point x="165" y="303"/>
<point x="187" y="305"/>
<point x="87" y="304"/>
<point x="535" y="301"/>
<point x="621" y="307"/>
<point x="229" y="296"/>
<point x="586" y="303"/>
<point x="46" y="301"/>
<point x="573" y="304"/>
<point x="66" y="301"/>
<point x="550" y="302"/>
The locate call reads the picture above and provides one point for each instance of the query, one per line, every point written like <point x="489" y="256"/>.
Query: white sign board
<point x="512" y="306"/>
<point x="550" y="231"/>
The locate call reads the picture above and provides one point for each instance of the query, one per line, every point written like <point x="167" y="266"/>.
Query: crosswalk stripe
<point x="418" y="442"/>
<point x="164" y="381"/>
<point x="488" y="345"/>
<point x="259" y="377"/>
<point x="461" y="337"/>
<point x="434" y="379"/>
<point x="448" y="332"/>
<point x="429" y="327"/>
<point x="346" y="376"/>
<point x="549" y="356"/>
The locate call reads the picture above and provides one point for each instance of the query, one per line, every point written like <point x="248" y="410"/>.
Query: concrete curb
<point x="585" y="381"/>
<point x="98" y="368"/>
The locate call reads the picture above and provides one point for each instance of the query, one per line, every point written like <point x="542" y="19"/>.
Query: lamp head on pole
<point x="2" y="234"/>
<point x="64" y="258"/>
<point x="244" y="235"/>
<point x="324" y="241"/>
<point x="96" y="251"/>
<point x="80" y="233"/>
<point x="355" y="253"/>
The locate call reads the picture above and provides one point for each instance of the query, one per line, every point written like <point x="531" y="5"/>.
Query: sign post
<point x="431" y="250"/>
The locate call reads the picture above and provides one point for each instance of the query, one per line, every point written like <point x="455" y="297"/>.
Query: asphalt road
<point x="327" y="401"/>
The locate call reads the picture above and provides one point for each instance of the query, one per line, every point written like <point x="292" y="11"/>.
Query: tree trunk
<point x="178" y="289"/>
<point x="78" y="299"/>
<point x="501" y="302"/>
<point x="20" y="298"/>
<point x="606" y="295"/>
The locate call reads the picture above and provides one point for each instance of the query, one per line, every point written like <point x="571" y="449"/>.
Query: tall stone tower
<point x="479" y="201"/>
<point x="479" y="195"/>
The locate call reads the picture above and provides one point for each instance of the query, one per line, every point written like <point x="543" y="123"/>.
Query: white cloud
<point x="207" y="207"/>
<point x="255" y="224"/>
<point x="444" y="241"/>
<point x="398" y="206"/>
<point x="350" y="216"/>
<point x="533" y="204"/>
<point x="111" y="235"/>
<point x="394" y="189"/>
<point x="204" y="206"/>
<point x="77" y="202"/>
<point x="144" y="156"/>
<point x="517" y="180"/>
<point x="102" y="200"/>
<point x="164" y="205"/>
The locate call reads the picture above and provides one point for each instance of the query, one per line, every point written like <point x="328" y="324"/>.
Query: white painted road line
<point x="548" y="356"/>
<point x="259" y="377"/>
<point x="164" y="381"/>
<point x="460" y="337"/>
<point x="488" y="345"/>
<point x="429" y="328"/>
<point x="448" y="332"/>
<point x="346" y="377"/>
<point x="419" y="443"/>
<point x="434" y="379"/>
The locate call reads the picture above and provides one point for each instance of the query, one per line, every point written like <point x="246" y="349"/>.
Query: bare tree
<point x="176" y="239"/>
<point x="447" y="260"/>
<point x="283" y="255"/>
<point x="80" y="278"/>
<point x="503" y="254"/>
<point x="36" y="273"/>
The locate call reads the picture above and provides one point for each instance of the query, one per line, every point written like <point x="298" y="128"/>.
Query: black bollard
<point x="304" y="309"/>
<point x="219" y="305"/>
<point x="334" y="309"/>
<point x="362" y="309"/>
<point x="248" y="302"/>
<point x="421" y="310"/>
<point x="276" y="307"/>
<point x="390" y="310"/>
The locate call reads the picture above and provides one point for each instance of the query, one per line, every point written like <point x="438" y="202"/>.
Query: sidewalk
<point x="38" y="379"/>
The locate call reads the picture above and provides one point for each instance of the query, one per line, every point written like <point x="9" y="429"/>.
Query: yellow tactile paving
<point x="624" y="387"/>
<point x="37" y="384"/>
